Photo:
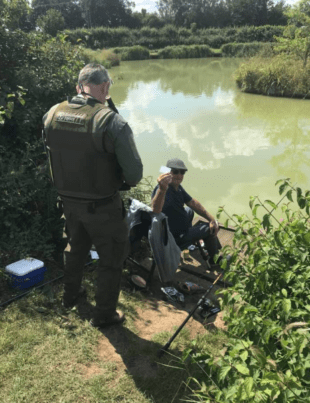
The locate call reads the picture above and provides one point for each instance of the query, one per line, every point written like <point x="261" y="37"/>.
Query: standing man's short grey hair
<point x="94" y="74"/>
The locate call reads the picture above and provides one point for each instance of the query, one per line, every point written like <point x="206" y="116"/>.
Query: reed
<point x="106" y="57"/>
<point x="277" y="76"/>
<point x="132" y="53"/>
<point x="185" y="52"/>
<point x="247" y="49"/>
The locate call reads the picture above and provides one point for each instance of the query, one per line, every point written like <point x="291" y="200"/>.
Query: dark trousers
<point x="107" y="230"/>
<point x="200" y="231"/>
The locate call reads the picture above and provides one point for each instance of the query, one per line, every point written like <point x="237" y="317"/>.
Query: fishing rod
<point x="199" y="303"/>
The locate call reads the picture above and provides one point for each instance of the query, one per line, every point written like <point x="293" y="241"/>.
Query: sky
<point x="150" y="5"/>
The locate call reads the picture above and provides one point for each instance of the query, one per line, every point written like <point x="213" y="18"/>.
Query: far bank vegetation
<point x="170" y="35"/>
<point x="286" y="72"/>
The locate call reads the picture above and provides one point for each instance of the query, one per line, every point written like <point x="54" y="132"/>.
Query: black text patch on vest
<point x="75" y="118"/>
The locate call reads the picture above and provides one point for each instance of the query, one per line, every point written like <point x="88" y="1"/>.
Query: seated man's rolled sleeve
<point x="126" y="150"/>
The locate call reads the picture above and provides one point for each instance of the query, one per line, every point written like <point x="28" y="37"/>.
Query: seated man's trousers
<point x="199" y="231"/>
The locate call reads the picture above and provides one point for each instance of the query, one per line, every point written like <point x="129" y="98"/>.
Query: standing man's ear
<point x="79" y="88"/>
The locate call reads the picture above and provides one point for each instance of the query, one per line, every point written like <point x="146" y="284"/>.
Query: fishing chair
<point x="141" y="230"/>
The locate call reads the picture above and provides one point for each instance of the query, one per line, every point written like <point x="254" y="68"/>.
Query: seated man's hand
<point x="214" y="227"/>
<point x="164" y="180"/>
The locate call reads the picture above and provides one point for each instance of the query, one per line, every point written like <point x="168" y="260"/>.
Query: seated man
<point x="169" y="197"/>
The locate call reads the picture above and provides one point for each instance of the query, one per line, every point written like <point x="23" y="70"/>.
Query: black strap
<point x="91" y="207"/>
<point x="111" y="105"/>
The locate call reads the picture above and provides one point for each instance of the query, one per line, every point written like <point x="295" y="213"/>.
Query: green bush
<point x="47" y="69"/>
<point x="31" y="222"/>
<point x="185" y="52"/>
<point x="193" y="40"/>
<point x="102" y="37"/>
<point x="277" y="76"/>
<point x="246" y="49"/>
<point x="169" y="35"/>
<point x="267" y="310"/>
<point x="257" y="34"/>
<point x="132" y="53"/>
<point x="216" y="41"/>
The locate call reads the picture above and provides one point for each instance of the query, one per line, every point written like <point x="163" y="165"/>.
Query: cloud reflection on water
<point x="231" y="141"/>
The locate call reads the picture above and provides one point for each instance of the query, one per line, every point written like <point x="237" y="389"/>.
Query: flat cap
<point x="176" y="163"/>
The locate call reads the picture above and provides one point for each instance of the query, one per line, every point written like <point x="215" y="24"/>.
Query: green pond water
<point x="235" y="145"/>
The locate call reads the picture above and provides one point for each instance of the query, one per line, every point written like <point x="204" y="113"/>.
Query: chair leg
<point x="149" y="280"/>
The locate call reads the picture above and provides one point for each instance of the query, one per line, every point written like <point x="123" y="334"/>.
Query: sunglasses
<point x="177" y="171"/>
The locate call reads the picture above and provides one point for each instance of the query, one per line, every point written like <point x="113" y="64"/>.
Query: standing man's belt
<point x="91" y="206"/>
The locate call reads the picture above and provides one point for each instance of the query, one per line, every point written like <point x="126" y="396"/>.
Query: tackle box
<point x="25" y="273"/>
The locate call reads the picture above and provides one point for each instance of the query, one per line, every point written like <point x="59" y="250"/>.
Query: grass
<point x="106" y="57"/>
<point x="132" y="53"/>
<point x="280" y="75"/>
<point x="50" y="355"/>
<point x="113" y="56"/>
<point x="247" y="49"/>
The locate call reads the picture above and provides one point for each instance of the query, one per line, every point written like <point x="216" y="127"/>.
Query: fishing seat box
<point x="25" y="273"/>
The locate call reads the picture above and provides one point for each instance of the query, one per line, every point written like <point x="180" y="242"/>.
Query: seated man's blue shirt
<point x="174" y="209"/>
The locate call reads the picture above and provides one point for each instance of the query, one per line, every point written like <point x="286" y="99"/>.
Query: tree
<point x="276" y="13"/>
<point x="153" y="21"/>
<point x="71" y="10"/>
<point x="16" y="14"/>
<point x="221" y="13"/>
<point x="51" y="22"/>
<point x="296" y="36"/>
<point x="109" y="13"/>
<point x="248" y="12"/>
<point x="304" y="7"/>
<point x="204" y="13"/>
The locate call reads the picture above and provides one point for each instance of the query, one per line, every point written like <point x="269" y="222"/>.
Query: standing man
<point x="169" y="197"/>
<point x="92" y="154"/>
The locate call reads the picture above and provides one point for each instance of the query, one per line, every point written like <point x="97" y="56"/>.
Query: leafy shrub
<point x="194" y="40"/>
<point x="277" y="76"/>
<point x="141" y="192"/>
<point x="246" y="49"/>
<point x="132" y="53"/>
<point x="257" y="34"/>
<point x="216" y="41"/>
<point x="267" y="309"/>
<point x="184" y="52"/>
<point x="171" y="35"/>
<point x="102" y="37"/>
<point x="184" y="32"/>
<point x="48" y="70"/>
<point x="31" y="223"/>
<point x="170" y="31"/>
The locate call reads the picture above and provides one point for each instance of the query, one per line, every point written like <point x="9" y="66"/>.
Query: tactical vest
<point x="80" y="165"/>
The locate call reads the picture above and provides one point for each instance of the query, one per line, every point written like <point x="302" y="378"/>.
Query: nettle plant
<point x="267" y="309"/>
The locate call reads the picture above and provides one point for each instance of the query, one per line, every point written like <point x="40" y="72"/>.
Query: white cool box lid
<point x="94" y="254"/>
<point x="24" y="266"/>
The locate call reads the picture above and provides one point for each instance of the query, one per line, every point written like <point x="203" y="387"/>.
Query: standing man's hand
<point x="163" y="181"/>
<point x="214" y="227"/>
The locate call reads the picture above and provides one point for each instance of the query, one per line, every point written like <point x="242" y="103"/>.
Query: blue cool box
<point x="25" y="273"/>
